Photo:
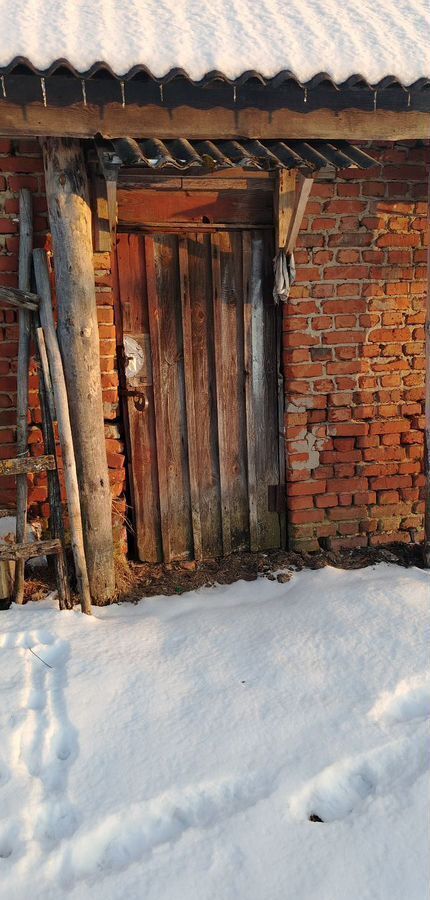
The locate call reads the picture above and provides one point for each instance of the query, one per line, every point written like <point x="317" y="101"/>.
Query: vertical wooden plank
<point x="142" y="449"/>
<point x="230" y="375"/>
<point x="266" y="388"/>
<point x="220" y="393"/>
<point x="200" y="285"/>
<point x="154" y="324"/>
<point x="248" y="317"/>
<point x="169" y="383"/>
<point x="189" y="396"/>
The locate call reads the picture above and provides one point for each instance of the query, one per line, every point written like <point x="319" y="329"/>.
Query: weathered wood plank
<point x="248" y="336"/>
<point x="304" y="189"/>
<point x="189" y="397"/>
<point x="157" y="351"/>
<point x="204" y="378"/>
<point x="64" y="427"/>
<point x="114" y="120"/>
<point x="47" y="405"/>
<point x="30" y="550"/>
<point x="26" y="466"/>
<point x="284" y="200"/>
<point x="220" y="394"/>
<point x="21" y="299"/>
<point x="427" y="413"/>
<point x="24" y="276"/>
<point x="141" y="424"/>
<point x="172" y="392"/>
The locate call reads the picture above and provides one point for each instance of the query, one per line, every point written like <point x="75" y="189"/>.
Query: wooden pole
<point x="64" y="428"/>
<point x="427" y="414"/>
<point x="70" y="221"/>
<point x="25" y="251"/>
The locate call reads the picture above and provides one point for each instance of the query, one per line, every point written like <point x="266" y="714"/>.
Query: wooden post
<point x="70" y="221"/>
<point x="25" y="251"/>
<point x="427" y="414"/>
<point x="64" y="428"/>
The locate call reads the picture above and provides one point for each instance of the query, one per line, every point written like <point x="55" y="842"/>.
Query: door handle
<point x="141" y="401"/>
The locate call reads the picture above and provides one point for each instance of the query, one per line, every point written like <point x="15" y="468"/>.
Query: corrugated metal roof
<point x="21" y="65"/>
<point x="183" y="154"/>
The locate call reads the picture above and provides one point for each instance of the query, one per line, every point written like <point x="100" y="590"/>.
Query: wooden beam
<point x="284" y="201"/>
<point x="27" y="466"/>
<point x="70" y="221"/>
<point x="30" y="550"/>
<point x="19" y="298"/>
<point x="304" y="189"/>
<point x="114" y="120"/>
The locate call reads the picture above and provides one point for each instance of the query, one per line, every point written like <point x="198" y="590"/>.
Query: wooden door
<point x="201" y="367"/>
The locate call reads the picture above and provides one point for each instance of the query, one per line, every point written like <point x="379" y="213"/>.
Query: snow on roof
<point x="373" y="38"/>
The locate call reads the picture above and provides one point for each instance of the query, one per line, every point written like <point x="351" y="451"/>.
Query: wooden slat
<point x="19" y="298"/>
<point x="220" y="393"/>
<point x="248" y="321"/>
<point x="142" y="447"/>
<point x="189" y="397"/>
<point x="27" y="465"/>
<point x="30" y="550"/>
<point x="204" y="376"/>
<point x="169" y="394"/>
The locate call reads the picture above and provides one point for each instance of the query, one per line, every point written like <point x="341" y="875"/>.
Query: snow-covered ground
<point x="175" y="749"/>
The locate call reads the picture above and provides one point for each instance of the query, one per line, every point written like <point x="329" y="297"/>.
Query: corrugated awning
<point x="255" y="155"/>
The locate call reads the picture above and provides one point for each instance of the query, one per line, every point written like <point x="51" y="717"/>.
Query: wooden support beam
<point x="114" y="120"/>
<point x="70" y="221"/>
<point x="27" y="466"/>
<point x="284" y="202"/>
<point x="64" y="427"/>
<point x="20" y="299"/>
<point x="23" y="370"/>
<point x="304" y="189"/>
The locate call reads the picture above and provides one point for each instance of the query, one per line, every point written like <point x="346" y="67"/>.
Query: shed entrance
<point x="201" y="386"/>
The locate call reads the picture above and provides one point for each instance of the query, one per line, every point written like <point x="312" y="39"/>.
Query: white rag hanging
<point x="285" y="275"/>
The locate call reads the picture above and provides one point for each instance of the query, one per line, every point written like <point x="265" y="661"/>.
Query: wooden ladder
<point x="16" y="552"/>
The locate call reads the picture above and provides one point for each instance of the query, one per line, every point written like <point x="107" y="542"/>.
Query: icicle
<point x="43" y="86"/>
<point x="3" y="86"/>
<point x="122" y="85"/>
<point x="234" y="93"/>
<point x="305" y="95"/>
<point x="84" y="93"/>
<point x="409" y="98"/>
<point x="161" y="92"/>
<point x="374" y="99"/>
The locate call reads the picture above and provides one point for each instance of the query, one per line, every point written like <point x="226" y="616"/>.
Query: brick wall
<point x="21" y="166"/>
<point x="354" y="356"/>
<point x="353" y="351"/>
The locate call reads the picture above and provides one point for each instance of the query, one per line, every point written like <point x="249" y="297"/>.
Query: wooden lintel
<point x="303" y="190"/>
<point x="113" y="120"/>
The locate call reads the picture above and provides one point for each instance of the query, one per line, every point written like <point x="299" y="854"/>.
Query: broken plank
<point x="19" y="299"/>
<point x="25" y="465"/>
<point x="30" y="550"/>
